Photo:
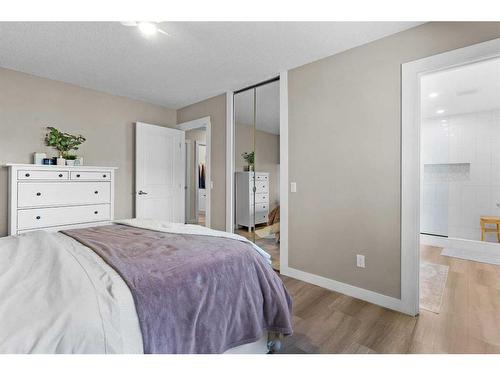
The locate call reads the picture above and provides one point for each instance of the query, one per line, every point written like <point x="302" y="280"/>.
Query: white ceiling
<point x="465" y="89"/>
<point x="267" y="105"/>
<point x="198" y="60"/>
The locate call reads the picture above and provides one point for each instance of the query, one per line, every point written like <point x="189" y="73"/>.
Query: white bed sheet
<point x="57" y="296"/>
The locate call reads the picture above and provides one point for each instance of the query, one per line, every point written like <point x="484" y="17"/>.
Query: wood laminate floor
<point x="469" y="320"/>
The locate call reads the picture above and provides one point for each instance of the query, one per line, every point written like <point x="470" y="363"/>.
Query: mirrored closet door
<point x="244" y="162"/>
<point x="256" y="161"/>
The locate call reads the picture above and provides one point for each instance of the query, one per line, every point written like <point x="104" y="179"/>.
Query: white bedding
<point x="58" y="296"/>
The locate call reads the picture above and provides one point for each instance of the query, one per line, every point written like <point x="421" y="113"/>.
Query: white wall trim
<point x="229" y="161"/>
<point x="205" y="123"/>
<point x="410" y="157"/>
<point x="349" y="290"/>
<point x="283" y="171"/>
<point x="486" y="248"/>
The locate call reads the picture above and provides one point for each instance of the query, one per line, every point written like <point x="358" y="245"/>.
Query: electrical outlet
<point x="293" y="187"/>
<point x="360" y="261"/>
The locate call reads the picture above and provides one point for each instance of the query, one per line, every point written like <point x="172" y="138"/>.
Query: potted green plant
<point x="249" y="157"/>
<point x="70" y="160"/>
<point x="63" y="143"/>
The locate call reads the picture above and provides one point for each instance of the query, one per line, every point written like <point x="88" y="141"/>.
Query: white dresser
<point x="56" y="197"/>
<point x="245" y="198"/>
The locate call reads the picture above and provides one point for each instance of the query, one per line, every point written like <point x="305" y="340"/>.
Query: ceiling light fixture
<point x="440" y="111"/>
<point x="433" y="95"/>
<point x="148" y="29"/>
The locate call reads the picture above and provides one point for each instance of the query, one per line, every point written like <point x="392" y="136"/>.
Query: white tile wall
<point x="454" y="196"/>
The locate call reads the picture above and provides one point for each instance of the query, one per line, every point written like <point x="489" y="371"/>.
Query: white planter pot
<point x="61" y="161"/>
<point x="70" y="163"/>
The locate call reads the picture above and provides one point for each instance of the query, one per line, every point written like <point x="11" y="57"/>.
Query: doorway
<point x="450" y="134"/>
<point x="198" y="181"/>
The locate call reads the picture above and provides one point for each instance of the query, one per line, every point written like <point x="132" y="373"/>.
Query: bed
<point x="139" y="286"/>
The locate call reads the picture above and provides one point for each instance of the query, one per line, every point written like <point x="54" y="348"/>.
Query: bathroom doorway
<point x="450" y="181"/>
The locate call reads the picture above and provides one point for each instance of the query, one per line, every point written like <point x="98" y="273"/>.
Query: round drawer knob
<point x="96" y="192"/>
<point x="95" y="212"/>
<point x="60" y="175"/>
<point x="38" y="194"/>
<point x="27" y="174"/>
<point x="104" y="175"/>
<point x="38" y="217"/>
<point x="77" y="175"/>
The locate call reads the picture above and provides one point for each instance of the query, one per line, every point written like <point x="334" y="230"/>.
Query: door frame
<point x="230" y="193"/>
<point x="203" y="123"/>
<point x="411" y="73"/>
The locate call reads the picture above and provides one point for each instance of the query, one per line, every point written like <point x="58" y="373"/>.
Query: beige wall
<point x="198" y="135"/>
<point x="215" y="108"/>
<point x="28" y="104"/>
<point x="267" y="156"/>
<point x="344" y="154"/>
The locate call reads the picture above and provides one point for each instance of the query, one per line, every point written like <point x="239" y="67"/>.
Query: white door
<point x="159" y="175"/>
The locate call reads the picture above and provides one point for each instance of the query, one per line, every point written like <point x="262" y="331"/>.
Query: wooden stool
<point x="495" y="220"/>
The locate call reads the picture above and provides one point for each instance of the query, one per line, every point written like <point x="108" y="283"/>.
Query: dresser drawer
<point x="51" y="217"/>
<point x="261" y="207"/>
<point x="261" y="187"/>
<point x="259" y="198"/>
<point x="260" y="217"/>
<point x="37" y="194"/>
<point x="85" y="175"/>
<point x="42" y="175"/>
<point x="261" y="177"/>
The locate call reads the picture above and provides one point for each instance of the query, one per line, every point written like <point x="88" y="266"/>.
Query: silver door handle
<point x="142" y="192"/>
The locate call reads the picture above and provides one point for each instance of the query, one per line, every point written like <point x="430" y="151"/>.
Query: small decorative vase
<point x="246" y="168"/>
<point x="70" y="163"/>
<point x="61" y="161"/>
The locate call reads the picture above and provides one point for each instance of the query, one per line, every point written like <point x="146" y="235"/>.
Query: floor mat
<point x="432" y="282"/>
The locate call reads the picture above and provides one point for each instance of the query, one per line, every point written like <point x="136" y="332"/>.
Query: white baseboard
<point x="352" y="291"/>
<point x="460" y="243"/>
<point x="437" y="241"/>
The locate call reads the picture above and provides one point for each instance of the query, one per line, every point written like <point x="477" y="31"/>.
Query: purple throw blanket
<point x="193" y="293"/>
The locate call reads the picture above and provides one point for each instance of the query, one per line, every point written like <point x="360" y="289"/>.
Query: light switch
<point x="293" y="187"/>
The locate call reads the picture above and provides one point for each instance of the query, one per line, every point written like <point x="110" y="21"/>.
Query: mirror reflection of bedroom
<point x="256" y="163"/>
<point x="196" y="173"/>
